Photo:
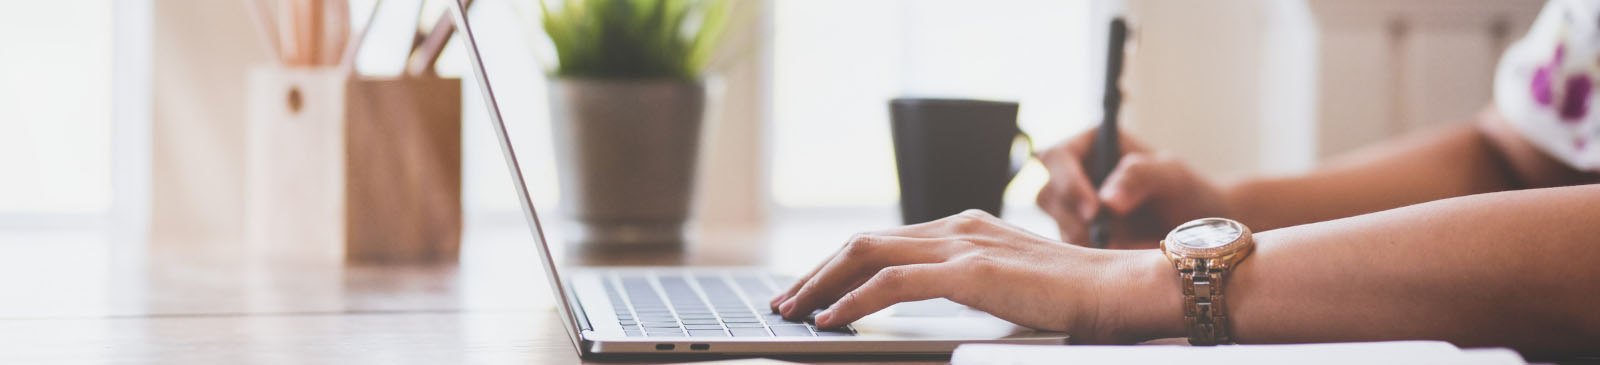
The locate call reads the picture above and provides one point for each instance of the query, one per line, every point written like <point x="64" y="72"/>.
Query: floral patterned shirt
<point x="1545" y="83"/>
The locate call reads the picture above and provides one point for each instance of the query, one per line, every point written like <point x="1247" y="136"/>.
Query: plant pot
<point x="625" y="155"/>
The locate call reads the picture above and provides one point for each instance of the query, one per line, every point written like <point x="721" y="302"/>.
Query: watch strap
<point x="1203" y="305"/>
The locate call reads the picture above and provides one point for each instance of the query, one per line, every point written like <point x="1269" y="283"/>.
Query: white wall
<point x="200" y="52"/>
<point x="1244" y="87"/>
<point x="1392" y="67"/>
<point x="1224" y="84"/>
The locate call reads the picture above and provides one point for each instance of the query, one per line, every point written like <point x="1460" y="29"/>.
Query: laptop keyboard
<point x="662" y="304"/>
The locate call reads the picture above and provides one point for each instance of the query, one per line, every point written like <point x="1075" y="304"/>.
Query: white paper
<point x="1404" y="352"/>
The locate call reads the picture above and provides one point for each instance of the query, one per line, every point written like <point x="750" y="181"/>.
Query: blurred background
<point x="127" y="118"/>
<point x="135" y="222"/>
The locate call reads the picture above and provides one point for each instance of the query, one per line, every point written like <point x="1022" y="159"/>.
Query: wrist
<point x="1148" y="304"/>
<point x="1236" y="201"/>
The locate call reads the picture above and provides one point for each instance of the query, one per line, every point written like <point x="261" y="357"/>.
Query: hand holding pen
<point x="1108" y="190"/>
<point x="1106" y="149"/>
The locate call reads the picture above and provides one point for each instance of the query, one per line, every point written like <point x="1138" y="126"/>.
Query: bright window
<point x="55" y="108"/>
<point x="838" y="62"/>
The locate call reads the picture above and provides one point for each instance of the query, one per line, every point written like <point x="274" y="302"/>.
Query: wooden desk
<point x="82" y="297"/>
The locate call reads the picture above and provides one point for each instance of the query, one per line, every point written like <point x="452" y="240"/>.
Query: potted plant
<point x="626" y="101"/>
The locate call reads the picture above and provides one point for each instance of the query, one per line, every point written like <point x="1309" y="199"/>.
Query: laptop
<point x="718" y="310"/>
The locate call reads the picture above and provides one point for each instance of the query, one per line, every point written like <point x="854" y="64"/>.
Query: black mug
<point x="953" y="155"/>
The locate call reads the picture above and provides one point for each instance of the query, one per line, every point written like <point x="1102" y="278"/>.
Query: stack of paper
<point x="1399" y="352"/>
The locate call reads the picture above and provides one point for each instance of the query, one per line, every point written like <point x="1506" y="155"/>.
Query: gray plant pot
<point x="625" y="152"/>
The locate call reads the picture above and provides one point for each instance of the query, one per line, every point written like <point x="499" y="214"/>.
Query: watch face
<point x="1206" y="233"/>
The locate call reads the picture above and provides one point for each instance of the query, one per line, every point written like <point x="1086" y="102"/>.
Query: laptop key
<point x="750" y="332"/>
<point x="660" y="325"/>
<point x="740" y="320"/>
<point x="835" y="333"/>
<point x="747" y="325"/>
<point x="700" y="321"/>
<point x="752" y="285"/>
<point x="634" y="333"/>
<point x="784" y="322"/>
<point x="701" y="327"/>
<point x="708" y="333"/>
<point x="791" y="331"/>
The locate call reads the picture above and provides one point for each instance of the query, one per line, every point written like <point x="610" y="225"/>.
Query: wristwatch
<point x="1205" y="251"/>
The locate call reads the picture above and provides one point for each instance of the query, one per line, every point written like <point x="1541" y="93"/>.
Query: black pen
<point x="1106" y="150"/>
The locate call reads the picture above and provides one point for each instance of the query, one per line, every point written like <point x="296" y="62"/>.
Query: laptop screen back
<point x="499" y="51"/>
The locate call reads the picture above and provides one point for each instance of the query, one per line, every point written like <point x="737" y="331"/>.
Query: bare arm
<point x="1462" y="160"/>
<point x="1150" y="192"/>
<point x="1518" y="269"/>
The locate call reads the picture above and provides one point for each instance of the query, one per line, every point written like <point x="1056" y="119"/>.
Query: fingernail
<point x="784" y="308"/>
<point x="1107" y="192"/>
<point x="825" y="319"/>
<point x="1087" y="210"/>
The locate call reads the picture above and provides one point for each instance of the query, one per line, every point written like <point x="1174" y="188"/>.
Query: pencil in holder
<point x="360" y="168"/>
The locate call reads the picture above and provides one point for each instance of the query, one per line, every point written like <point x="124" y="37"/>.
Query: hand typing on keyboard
<point x="667" y="304"/>
<point x="978" y="260"/>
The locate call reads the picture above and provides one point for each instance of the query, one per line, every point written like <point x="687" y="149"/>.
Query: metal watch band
<point x="1203" y="305"/>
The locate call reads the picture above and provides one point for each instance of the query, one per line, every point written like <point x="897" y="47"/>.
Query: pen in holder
<point x="363" y="168"/>
<point x="367" y="169"/>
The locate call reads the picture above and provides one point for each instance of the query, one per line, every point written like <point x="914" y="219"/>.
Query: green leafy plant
<point x="634" y="39"/>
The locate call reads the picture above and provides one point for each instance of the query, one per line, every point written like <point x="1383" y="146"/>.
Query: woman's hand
<point x="1147" y="193"/>
<point x="978" y="260"/>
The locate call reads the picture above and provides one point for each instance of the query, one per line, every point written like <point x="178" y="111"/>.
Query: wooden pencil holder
<point x="367" y="169"/>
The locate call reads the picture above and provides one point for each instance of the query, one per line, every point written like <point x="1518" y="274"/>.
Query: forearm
<point x="1518" y="269"/>
<point x="1441" y="164"/>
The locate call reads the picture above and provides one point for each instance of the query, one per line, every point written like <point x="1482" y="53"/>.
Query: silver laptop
<point x="719" y="311"/>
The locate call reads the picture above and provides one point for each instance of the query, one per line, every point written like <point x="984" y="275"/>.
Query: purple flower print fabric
<point x="1545" y="82"/>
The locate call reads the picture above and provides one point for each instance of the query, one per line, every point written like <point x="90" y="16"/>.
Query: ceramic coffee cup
<point x="954" y="154"/>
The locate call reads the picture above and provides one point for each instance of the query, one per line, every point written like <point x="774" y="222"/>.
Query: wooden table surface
<point x="83" y="297"/>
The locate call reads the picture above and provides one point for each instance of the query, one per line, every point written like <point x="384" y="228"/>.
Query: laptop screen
<point x="510" y="84"/>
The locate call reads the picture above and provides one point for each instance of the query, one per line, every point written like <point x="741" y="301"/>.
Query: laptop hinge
<point x="577" y="307"/>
